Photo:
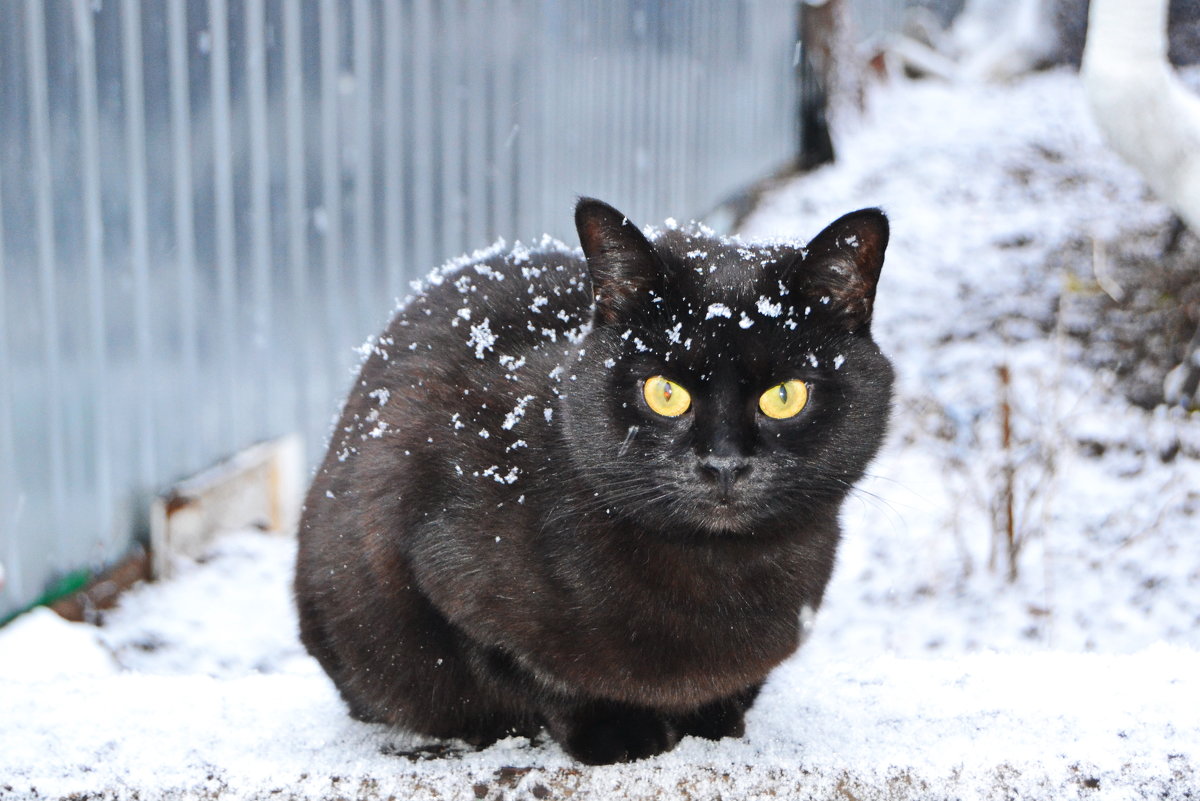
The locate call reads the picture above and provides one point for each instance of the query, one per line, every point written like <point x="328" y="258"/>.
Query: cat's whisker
<point x="873" y="500"/>
<point x="620" y="494"/>
<point x="633" y="497"/>
<point x="633" y="430"/>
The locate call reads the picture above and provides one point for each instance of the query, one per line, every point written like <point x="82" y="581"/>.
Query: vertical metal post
<point x="478" y="124"/>
<point x="364" y="164"/>
<point x="393" y="141"/>
<point x="815" y="32"/>
<point x="230" y="337"/>
<point x="10" y="500"/>
<point x="47" y="261"/>
<point x="98" y="379"/>
<point x="135" y="143"/>
<point x="501" y="200"/>
<point x="262" y="332"/>
<point x="450" y="132"/>
<point x="331" y="179"/>
<point x="310" y="384"/>
<point x="542" y="164"/>
<point x="422" y="125"/>
<point x="183" y="212"/>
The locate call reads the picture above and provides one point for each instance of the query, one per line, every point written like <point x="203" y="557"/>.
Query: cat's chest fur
<point x="565" y="481"/>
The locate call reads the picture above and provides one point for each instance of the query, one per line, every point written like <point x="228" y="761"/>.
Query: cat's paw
<point x="622" y="736"/>
<point x="714" y="721"/>
<point x="723" y="718"/>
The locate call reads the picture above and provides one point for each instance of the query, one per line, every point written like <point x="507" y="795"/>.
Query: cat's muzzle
<point x="724" y="473"/>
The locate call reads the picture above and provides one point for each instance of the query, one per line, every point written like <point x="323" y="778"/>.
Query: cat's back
<point x="481" y="321"/>
<point x="479" y="309"/>
<point x="460" y="386"/>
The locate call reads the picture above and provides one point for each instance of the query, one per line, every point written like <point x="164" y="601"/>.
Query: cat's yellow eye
<point x="784" y="400"/>
<point x="665" y="397"/>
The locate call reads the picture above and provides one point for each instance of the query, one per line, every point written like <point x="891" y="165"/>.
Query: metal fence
<point x="206" y="204"/>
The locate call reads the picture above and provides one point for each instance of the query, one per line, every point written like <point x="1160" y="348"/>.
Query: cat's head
<point x="723" y="384"/>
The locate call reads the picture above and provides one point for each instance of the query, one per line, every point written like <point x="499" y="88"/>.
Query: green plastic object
<point x="66" y="586"/>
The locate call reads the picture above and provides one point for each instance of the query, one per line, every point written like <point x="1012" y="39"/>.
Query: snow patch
<point x="513" y="417"/>
<point x="482" y="339"/>
<point x="718" y="310"/>
<point x="768" y="309"/>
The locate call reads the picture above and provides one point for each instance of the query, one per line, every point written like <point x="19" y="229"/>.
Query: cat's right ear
<point x="622" y="262"/>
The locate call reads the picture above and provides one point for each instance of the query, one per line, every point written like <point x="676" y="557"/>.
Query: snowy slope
<point x="929" y="674"/>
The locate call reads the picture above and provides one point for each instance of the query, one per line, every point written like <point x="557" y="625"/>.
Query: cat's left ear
<point x="622" y="262"/>
<point x="842" y="263"/>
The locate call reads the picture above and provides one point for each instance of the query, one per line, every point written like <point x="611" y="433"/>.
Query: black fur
<point x="503" y="537"/>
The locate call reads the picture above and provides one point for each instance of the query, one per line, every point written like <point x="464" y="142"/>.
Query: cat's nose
<point x="724" y="471"/>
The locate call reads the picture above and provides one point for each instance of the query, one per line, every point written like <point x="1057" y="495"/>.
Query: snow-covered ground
<point x="930" y="674"/>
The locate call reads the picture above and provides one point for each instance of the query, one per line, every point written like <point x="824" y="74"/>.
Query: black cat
<point x="597" y="495"/>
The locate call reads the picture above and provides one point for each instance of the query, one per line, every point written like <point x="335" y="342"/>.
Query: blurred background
<point x="206" y="205"/>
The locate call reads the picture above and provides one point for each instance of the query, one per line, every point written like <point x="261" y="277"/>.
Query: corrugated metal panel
<point x="206" y="204"/>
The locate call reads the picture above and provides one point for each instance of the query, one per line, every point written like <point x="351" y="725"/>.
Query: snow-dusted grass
<point x="929" y="674"/>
